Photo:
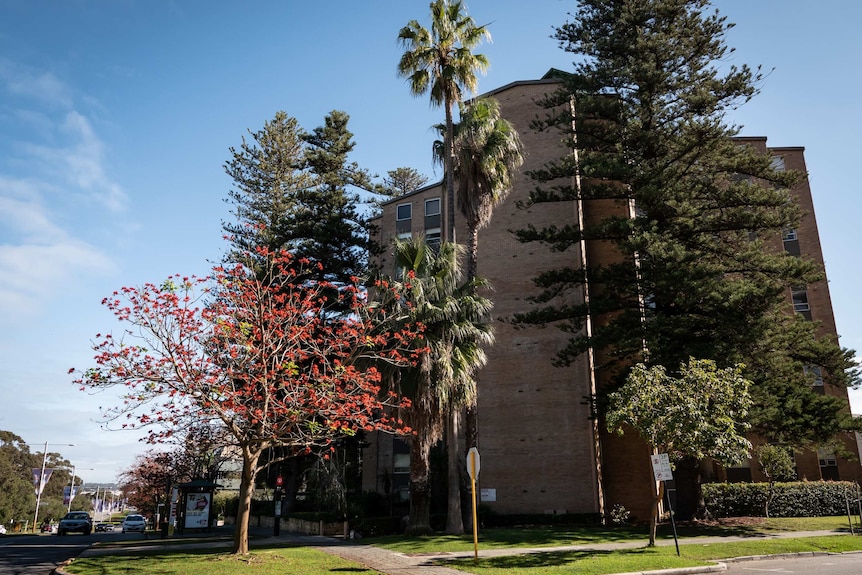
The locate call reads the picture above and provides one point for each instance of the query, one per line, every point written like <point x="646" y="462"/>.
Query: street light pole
<point x="71" y="490"/>
<point x="72" y="487"/>
<point x="42" y="481"/>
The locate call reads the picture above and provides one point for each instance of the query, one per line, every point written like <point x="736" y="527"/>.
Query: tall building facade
<point x="541" y="449"/>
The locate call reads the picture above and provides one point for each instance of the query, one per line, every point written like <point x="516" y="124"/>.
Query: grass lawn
<point x="307" y="560"/>
<point x="645" y="559"/>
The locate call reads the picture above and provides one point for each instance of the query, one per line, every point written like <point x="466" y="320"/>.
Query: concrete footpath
<point x="393" y="563"/>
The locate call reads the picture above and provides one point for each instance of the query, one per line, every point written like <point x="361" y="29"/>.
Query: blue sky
<point x="117" y="116"/>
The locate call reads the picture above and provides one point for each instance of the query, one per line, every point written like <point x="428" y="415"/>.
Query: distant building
<point x="541" y="452"/>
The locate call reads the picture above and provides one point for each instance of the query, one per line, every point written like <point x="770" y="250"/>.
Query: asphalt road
<point x="39" y="554"/>
<point x="843" y="564"/>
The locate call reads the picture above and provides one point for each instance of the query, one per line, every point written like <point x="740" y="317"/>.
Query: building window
<point x="401" y="463"/>
<point x="828" y="465"/>
<point x="432" y="238"/>
<point x="405" y="212"/>
<point x="800" y="299"/>
<point x="432" y="207"/>
<point x="815" y="373"/>
<point x="791" y="242"/>
<point x="777" y="163"/>
<point x="739" y="473"/>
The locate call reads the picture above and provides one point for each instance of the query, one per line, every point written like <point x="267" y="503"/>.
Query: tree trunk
<point x="448" y="168"/>
<point x="769" y="496"/>
<point x="454" y="521"/>
<point x="658" y="494"/>
<point x="471" y="422"/>
<point x="419" y="522"/>
<point x="246" y="490"/>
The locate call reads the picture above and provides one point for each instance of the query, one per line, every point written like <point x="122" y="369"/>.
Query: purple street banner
<point x="40" y="485"/>
<point x="69" y="494"/>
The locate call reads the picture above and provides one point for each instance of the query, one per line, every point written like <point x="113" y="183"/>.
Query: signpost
<point x="276" y="525"/>
<point x="662" y="472"/>
<point x="473" y="470"/>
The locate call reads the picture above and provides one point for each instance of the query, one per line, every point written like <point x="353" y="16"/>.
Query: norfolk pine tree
<point x="695" y="277"/>
<point x="267" y="173"/>
<point x="402" y="181"/>
<point x="297" y="191"/>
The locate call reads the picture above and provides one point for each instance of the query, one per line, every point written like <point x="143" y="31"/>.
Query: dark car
<point x="75" y="522"/>
<point x="104" y="527"/>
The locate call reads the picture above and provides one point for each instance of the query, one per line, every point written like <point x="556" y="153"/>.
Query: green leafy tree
<point x="432" y="292"/>
<point x="776" y="464"/>
<point x="698" y="414"/>
<point x="440" y="62"/>
<point x="694" y="276"/>
<point x="17" y="498"/>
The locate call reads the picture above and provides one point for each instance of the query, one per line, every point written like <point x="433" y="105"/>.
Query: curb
<point x="681" y="570"/>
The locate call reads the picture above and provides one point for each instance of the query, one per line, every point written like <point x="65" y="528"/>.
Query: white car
<point x="2" y="529"/>
<point x="134" y="523"/>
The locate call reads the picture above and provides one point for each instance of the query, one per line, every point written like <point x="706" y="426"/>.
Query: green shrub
<point x="795" y="499"/>
<point x="376" y="526"/>
<point x="367" y="504"/>
<point x="225" y="504"/>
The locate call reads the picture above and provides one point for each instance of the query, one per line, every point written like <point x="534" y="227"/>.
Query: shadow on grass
<point x="539" y="536"/>
<point x="623" y="560"/>
<point x="532" y="560"/>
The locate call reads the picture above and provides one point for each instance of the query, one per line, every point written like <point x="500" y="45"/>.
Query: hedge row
<point x="796" y="499"/>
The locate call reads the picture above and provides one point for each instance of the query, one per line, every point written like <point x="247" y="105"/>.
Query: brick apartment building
<point x="541" y="452"/>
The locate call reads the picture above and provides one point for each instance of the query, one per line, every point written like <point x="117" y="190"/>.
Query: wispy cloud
<point x="80" y="162"/>
<point x="54" y="179"/>
<point x="31" y="84"/>
<point x="37" y="257"/>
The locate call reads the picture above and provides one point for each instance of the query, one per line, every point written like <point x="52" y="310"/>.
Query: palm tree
<point x="433" y="293"/>
<point x="441" y="61"/>
<point x="487" y="152"/>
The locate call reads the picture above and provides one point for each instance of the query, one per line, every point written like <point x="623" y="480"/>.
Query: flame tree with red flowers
<point x="255" y="352"/>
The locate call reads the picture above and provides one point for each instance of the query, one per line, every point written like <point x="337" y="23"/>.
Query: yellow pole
<point x="475" y="518"/>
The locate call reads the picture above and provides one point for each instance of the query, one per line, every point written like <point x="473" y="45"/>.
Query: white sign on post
<point x="661" y="467"/>
<point x="473" y="463"/>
